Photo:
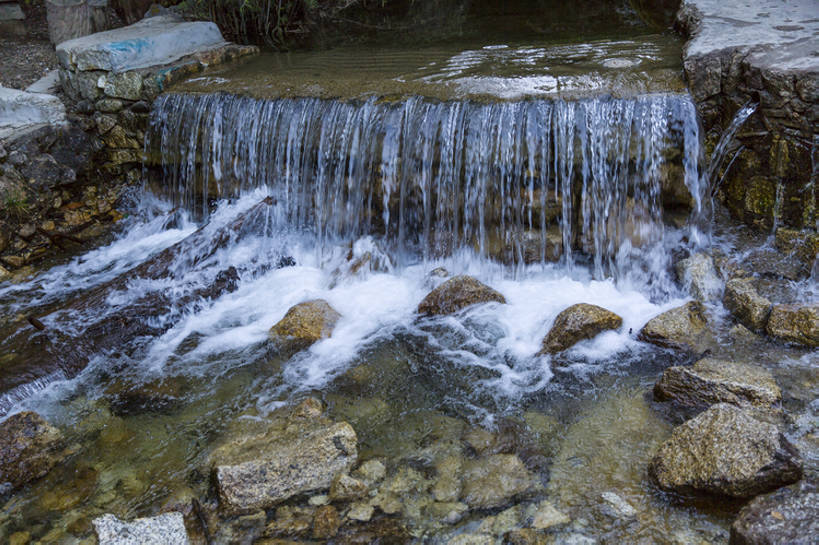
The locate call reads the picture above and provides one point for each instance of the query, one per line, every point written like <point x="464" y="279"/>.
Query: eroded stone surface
<point x="711" y="381"/>
<point x="457" y="293"/>
<point x="577" y="323"/>
<point x="725" y="452"/>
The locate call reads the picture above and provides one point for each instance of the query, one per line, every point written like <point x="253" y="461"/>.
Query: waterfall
<point x="516" y="181"/>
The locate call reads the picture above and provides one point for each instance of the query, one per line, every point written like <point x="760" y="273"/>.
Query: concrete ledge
<point x="150" y="42"/>
<point x="19" y="109"/>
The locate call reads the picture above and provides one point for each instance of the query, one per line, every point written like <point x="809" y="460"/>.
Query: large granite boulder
<point x="577" y="323"/>
<point x="797" y="324"/>
<point x="748" y="307"/>
<point x="167" y="529"/>
<point x="305" y="324"/>
<point x="457" y="293"/>
<point x="725" y="452"/>
<point x="29" y="448"/>
<point x="788" y="515"/>
<point x="681" y="328"/>
<point x="710" y="381"/>
<point x="283" y="457"/>
<point x="493" y="481"/>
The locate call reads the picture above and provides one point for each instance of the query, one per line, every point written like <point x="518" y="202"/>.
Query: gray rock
<point x="167" y="529"/>
<point x="266" y="470"/>
<point x="681" y="328"/>
<point x="109" y="105"/>
<point x="699" y="275"/>
<point x="576" y="323"/>
<point x="150" y="42"/>
<point x="19" y="109"/>
<point x="29" y="448"/>
<point x="457" y="293"/>
<point x="48" y="84"/>
<point x="545" y="516"/>
<point x="788" y="515"/>
<point x="797" y="324"/>
<point x="748" y="307"/>
<point x="617" y="506"/>
<point x="126" y="85"/>
<point x="360" y="511"/>
<point x="346" y="488"/>
<point x="711" y="381"/>
<point x="493" y="481"/>
<point x="725" y="452"/>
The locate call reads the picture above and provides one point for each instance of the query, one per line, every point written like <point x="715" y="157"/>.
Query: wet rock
<point x="617" y="506"/>
<point x="503" y="522"/>
<point x="371" y="472"/>
<point x="526" y="536"/>
<point x="577" y="323"/>
<point x="457" y="293"/>
<point x="725" y="452"/>
<point x="546" y="516"/>
<point x="305" y="324"/>
<point x="494" y="480"/>
<point x="346" y="488"/>
<point x="788" y="515"/>
<point x="385" y="530"/>
<point x="699" y="275"/>
<point x="291" y="521"/>
<point x="471" y="539"/>
<point x="802" y="244"/>
<point x="448" y="486"/>
<point x="19" y="538"/>
<point x="797" y="324"/>
<point x="167" y="529"/>
<point x="160" y="395"/>
<point x="326" y="522"/>
<point x="29" y="448"/>
<point x="446" y="512"/>
<point x="360" y="511"/>
<point x="747" y="306"/>
<point x="241" y="530"/>
<point x="681" y="328"/>
<point x="711" y="381"/>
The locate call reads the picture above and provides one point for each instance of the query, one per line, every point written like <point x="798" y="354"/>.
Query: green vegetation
<point x="15" y="204"/>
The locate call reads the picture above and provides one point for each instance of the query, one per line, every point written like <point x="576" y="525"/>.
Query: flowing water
<point x="155" y="345"/>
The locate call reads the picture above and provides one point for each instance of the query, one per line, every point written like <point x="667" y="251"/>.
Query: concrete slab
<point x="48" y="84"/>
<point x="782" y="33"/>
<point x="19" y="109"/>
<point x="150" y="42"/>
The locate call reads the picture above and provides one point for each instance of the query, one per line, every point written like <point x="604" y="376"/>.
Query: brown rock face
<point x="457" y="293"/>
<point x="788" y="515"/>
<point x="304" y="324"/>
<point x="29" y="448"/>
<point x="795" y="323"/>
<point x="326" y="522"/>
<point x="577" y="323"/>
<point x="748" y="307"/>
<point x="681" y="328"/>
<point x="725" y="452"/>
<point x="711" y="381"/>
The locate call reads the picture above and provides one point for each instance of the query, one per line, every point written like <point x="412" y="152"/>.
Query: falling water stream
<point x="155" y="345"/>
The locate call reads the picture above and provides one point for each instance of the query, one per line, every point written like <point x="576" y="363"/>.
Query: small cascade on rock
<point x="519" y="182"/>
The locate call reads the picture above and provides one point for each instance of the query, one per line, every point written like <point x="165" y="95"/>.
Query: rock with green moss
<point x="457" y="293"/>
<point x="725" y="452"/>
<point x="577" y="323"/>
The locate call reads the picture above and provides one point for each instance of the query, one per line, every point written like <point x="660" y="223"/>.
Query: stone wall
<point x="770" y="60"/>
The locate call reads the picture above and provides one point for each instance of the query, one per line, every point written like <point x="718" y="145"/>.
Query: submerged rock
<point x="725" y="452"/>
<point x="494" y="480"/>
<point x="577" y="323"/>
<point x="788" y="515"/>
<point x="747" y="306"/>
<point x="795" y="324"/>
<point x="167" y="529"/>
<point x="305" y="324"/>
<point x="288" y="464"/>
<point x="326" y="522"/>
<point x="29" y="448"/>
<point x="711" y="381"/>
<point x="457" y="293"/>
<point x="681" y="328"/>
<point x="699" y="275"/>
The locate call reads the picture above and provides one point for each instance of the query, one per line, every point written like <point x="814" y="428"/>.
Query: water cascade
<point x="516" y="181"/>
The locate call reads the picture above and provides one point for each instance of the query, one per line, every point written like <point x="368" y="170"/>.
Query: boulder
<point x="577" y="323"/>
<point x="305" y="324"/>
<point x="20" y="109"/>
<point x="748" y="307"/>
<point x="725" y="452"/>
<point x="167" y="529"/>
<point x="710" y="381"/>
<point x="787" y="515"/>
<point x="495" y="480"/>
<point x="257" y="472"/>
<point x="681" y="328"/>
<point x="29" y="448"/>
<point x="699" y="275"/>
<point x="457" y="293"/>
<point x="346" y="488"/>
<point x="804" y="245"/>
<point x="797" y="324"/>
